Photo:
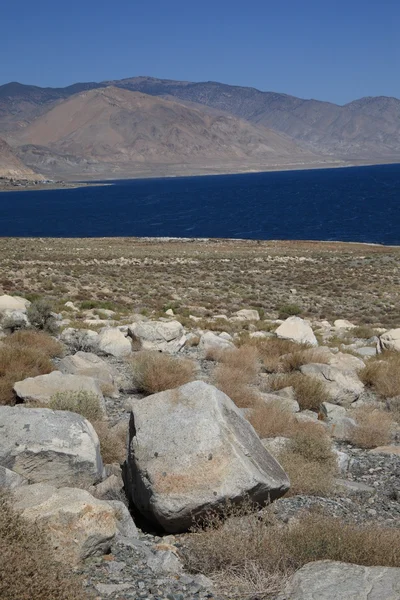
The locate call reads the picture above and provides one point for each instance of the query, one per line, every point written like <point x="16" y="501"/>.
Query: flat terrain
<point x="206" y="277"/>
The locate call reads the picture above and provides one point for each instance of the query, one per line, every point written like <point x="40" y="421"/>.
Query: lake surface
<point x="348" y="204"/>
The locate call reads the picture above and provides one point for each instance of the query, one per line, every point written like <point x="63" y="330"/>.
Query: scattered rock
<point x="210" y="341"/>
<point x="112" y="341"/>
<point x="343" y="324"/>
<point x="90" y="365"/>
<point x="13" y="303"/>
<point x="190" y="449"/>
<point x="56" y="447"/>
<point x="331" y="580"/>
<point x="297" y="330"/>
<point x="247" y="315"/>
<point x="343" y="387"/>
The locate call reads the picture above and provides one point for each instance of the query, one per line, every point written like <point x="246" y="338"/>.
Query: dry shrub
<point x="28" y="570"/>
<point x="17" y="362"/>
<point x="40" y="341"/>
<point x="245" y="359"/>
<point x="295" y="360"/>
<point x="213" y="354"/>
<point x="383" y="374"/>
<point x="273" y="349"/>
<point x="270" y="419"/>
<point x="238" y="369"/>
<point x="113" y="441"/>
<point x="374" y="427"/>
<point x="155" y="372"/>
<point x="309" y="461"/>
<point x="310" y="392"/>
<point x="251" y="555"/>
<point x="83" y="403"/>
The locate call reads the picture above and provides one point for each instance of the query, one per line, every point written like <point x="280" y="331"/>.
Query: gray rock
<point x="112" y="341"/>
<point x="125" y="524"/>
<point x="345" y="362"/>
<point x="163" y="336"/>
<point x="43" y="387"/>
<point x="285" y="403"/>
<point x="43" y="445"/>
<point x="190" y="451"/>
<point x="10" y="479"/>
<point x="89" y="365"/>
<point x="343" y="387"/>
<point x="389" y="341"/>
<point x="329" y="580"/>
<point x="78" y="525"/>
<point x="247" y="315"/>
<point x="366" y="351"/>
<point x="343" y="324"/>
<point x="297" y="330"/>
<point x="210" y="341"/>
<point x="80" y="339"/>
<point x="13" y="303"/>
<point x="109" y="589"/>
<point x="355" y="487"/>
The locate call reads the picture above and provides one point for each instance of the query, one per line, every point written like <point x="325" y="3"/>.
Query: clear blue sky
<point x="330" y="50"/>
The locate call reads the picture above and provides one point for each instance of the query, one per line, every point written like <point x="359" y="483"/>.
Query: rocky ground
<point x="140" y="561"/>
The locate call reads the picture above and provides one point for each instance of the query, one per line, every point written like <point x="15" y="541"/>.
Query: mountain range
<point x="144" y="126"/>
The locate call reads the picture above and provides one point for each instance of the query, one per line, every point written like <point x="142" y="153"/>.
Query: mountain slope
<point x="11" y="167"/>
<point x="115" y="130"/>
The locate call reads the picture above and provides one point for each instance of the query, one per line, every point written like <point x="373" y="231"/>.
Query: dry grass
<point x="154" y="372"/>
<point x="309" y="461"/>
<point x="270" y="419"/>
<point x="374" y="429"/>
<point x="113" y="441"/>
<point x="236" y="371"/>
<point x="310" y="392"/>
<point x="17" y="362"/>
<point x="83" y="403"/>
<point x="38" y="340"/>
<point x="28" y="569"/>
<point x="273" y="349"/>
<point x="298" y="358"/>
<point x="382" y="374"/>
<point x="251" y="555"/>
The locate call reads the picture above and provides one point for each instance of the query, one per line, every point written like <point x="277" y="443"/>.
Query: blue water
<point x="350" y="204"/>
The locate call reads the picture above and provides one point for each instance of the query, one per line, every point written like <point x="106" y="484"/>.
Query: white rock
<point x="43" y="387"/>
<point x="89" y="365"/>
<point x="43" y="445"/>
<point x="71" y="306"/>
<point x="210" y="341"/>
<point x="112" y="341"/>
<point x="164" y="336"/>
<point x="389" y="341"/>
<point x="288" y="404"/>
<point x="297" y="330"/>
<point x="13" y="303"/>
<point x="190" y="450"/>
<point x="345" y="362"/>
<point x="169" y="312"/>
<point x="247" y="315"/>
<point x="226" y="336"/>
<point x="343" y="387"/>
<point x="343" y="324"/>
<point x="78" y="525"/>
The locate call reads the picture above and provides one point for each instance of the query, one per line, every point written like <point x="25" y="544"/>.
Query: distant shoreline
<point x="82" y="183"/>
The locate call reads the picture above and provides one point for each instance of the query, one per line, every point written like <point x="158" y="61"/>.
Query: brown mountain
<point x="116" y="132"/>
<point x="11" y="167"/>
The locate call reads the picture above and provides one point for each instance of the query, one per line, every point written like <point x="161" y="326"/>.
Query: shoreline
<point x="66" y="185"/>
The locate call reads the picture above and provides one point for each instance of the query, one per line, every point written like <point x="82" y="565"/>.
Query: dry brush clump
<point x="382" y="374"/>
<point x="309" y="391"/>
<point x="113" y="441"/>
<point x="154" y="372"/>
<point x="236" y="371"/>
<point x="270" y="419"/>
<point x="25" y="354"/>
<point x="252" y="555"/>
<point x="81" y="402"/>
<point x="309" y="461"/>
<point x="28" y="569"/>
<point x="374" y="427"/>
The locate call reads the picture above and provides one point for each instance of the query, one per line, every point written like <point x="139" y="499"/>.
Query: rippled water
<point x="349" y="204"/>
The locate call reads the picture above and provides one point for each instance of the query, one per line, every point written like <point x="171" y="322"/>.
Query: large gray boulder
<point x="343" y="387"/>
<point x="209" y="341"/>
<point x="90" y="365"/>
<point x="191" y="450"/>
<point x="56" y="447"/>
<point x="163" y="336"/>
<point x="389" y="341"/>
<point x="329" y="580"/>
<point x="78" y="525"/>
<point x="43" y="387"/>
<point x="113" y="342"/>
<point x="297" y="330"/>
